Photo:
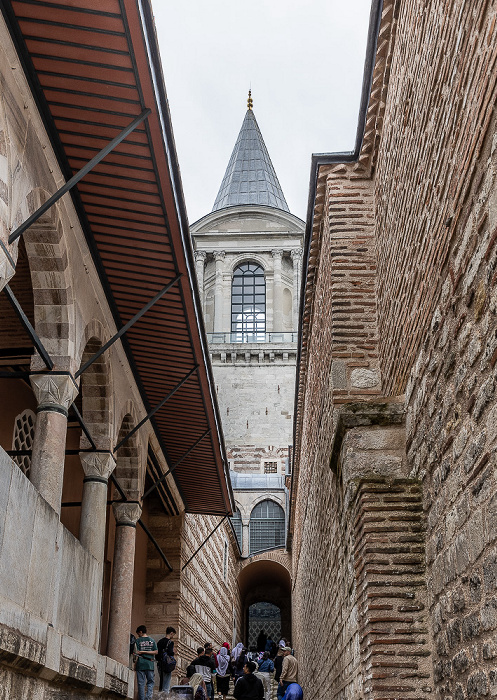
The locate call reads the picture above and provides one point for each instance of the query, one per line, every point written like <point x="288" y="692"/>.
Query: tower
<point x="248" y="259"/>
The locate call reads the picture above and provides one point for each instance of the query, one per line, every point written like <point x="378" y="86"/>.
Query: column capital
<point x="296" y="254"/>
<point x="127" y="513"/>
<point x="8" y="261"/>
<point x="200" y="255"/>
<point x="219" y="255"/>
<point x="54" y="392"/>
<point x="97" y="466"/>
<point x="277" y="253"/>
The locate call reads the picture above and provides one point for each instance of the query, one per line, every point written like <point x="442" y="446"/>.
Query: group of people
<point x="251" y="671"/>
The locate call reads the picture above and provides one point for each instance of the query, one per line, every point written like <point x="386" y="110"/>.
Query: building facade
<point x="102" y="521"/>
<point x="248" y="254"/>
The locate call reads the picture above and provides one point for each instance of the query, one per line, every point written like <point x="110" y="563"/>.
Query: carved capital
<point x="127" y="513"/>
<point x="8" y="261"/>
<point x="97" y="466"/>
<point x="219" y="255"/>
<point x="296" y="254"/>
<point x="54" y="392"/>
<point x="277" y="253"/>
<point x="200" y="256"/>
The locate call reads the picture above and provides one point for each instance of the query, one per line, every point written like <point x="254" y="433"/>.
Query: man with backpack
<point x="165" y="659"/>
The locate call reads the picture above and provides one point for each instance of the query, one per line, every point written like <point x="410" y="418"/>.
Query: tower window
<point x="238" y="527"/>
<point x="267" y="526"/>
<point x="248" y="304"/>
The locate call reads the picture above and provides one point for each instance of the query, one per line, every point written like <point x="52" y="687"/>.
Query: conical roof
<point x="250" y="177"/>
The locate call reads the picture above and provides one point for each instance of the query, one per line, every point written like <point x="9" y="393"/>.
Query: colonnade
<point x="54" y="393"/>
<point x="221" y="289"/>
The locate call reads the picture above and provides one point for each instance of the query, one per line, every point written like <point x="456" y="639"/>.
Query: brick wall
<point x="197" y="602"/>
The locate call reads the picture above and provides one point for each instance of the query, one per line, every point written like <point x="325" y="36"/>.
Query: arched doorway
<point x="265" y="589"/>
<point x="264" y="622"/>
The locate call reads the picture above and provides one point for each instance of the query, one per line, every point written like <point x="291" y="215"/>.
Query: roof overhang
<point x="92" y="71"/>
<point x="244" y="211"/>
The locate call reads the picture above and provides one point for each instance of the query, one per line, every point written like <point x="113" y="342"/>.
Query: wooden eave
<point x="92" y="71"/>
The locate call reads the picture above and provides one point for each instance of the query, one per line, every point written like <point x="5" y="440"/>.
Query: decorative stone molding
<point x="219" y="255"/>
<point x="54" y="392"/>
<point x="296" y="254"/>
<point x="200" y="256"/>
<point x="277" y="253"/>
<point x="97" y="466"/>
<point x="127" y="513"/>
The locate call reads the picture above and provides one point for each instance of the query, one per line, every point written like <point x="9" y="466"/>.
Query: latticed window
<point x="248" y="304"/>
<point x="237" y="526"/>
<point x="267" y="526"/>
<point x="270" y="467"/>
<point x="24" y="432"/>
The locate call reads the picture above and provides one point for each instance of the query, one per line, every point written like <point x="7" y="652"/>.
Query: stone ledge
<point x="44" y="659"/>
<point x="365" y="413"/>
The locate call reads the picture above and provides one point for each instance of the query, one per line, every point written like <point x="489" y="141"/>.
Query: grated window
<point x="248" y="304"/>
<point x="270" y="467"/>
<point x="267" y="526"/>
<point x="237" y="526"/>
<point x="24" y="432"/>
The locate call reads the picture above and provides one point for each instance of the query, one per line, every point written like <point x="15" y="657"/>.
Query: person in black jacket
<point x="165" y="646"/>
<point x="248" y="686"/>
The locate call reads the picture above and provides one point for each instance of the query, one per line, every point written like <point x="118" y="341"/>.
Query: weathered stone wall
<point x="433" y="195"/>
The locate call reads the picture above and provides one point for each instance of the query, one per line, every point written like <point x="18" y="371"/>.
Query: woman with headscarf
<point x="238" y="665"/>
<point x="198" y="685"/>
<point x="224" y="671"/>
<point x="237" y="651"/>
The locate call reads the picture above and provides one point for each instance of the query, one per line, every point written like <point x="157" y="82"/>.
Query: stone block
<point x="17" y="541"/>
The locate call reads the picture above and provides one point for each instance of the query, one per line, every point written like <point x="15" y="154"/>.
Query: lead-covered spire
<point x="250" y="177"/>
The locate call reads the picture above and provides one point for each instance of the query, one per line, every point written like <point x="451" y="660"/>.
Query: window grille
<point x="237" y="526"/>
<point x="267" y="526"/>
<point x="24" y="432"/>
<point x="248" y="304"/>
<point x="270" y="467"/>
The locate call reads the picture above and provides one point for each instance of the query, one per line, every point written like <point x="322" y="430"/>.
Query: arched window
<point x="248" y="304"/>
<point x="236" y="521"/>
<point x="267" y="526"/>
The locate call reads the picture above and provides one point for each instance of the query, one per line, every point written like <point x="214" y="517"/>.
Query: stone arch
<point x="22" y="148"/>
<point x="266" y="578"/>
<point x="267" y="497"/>
<point x="52" y="285"/>
<point x="127" y="469"/>
<point x="266" y="525"/>
<point x="248" y="258"/>
<point x="96" y="389"/>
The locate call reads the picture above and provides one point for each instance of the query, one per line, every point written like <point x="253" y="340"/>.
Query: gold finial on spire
<point x="250" y="102"/>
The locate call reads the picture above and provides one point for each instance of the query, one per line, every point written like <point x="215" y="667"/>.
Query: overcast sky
<point x="304" y="60"/>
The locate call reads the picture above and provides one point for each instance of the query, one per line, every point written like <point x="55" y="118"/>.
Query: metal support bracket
<point x="169" y="471"/>
<point x="79" y="175"/>
<point x="127" y="326"/>
<point x="28" y="327"/>
<point x="154" y="410"/>
<point x="206" y="540"/>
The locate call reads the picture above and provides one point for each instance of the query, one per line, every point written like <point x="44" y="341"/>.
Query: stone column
<point x="245" y="539"/>
<point x="219" y="292"/>
<point x="8" y="259"/>
<point x="54" y="393"/>
<point x="121" y="596"/>
<point x="97" y="467"/>
<point x="200" y="256"/>
<point x="277" y="291"/>
<point x="296" y="254"/>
